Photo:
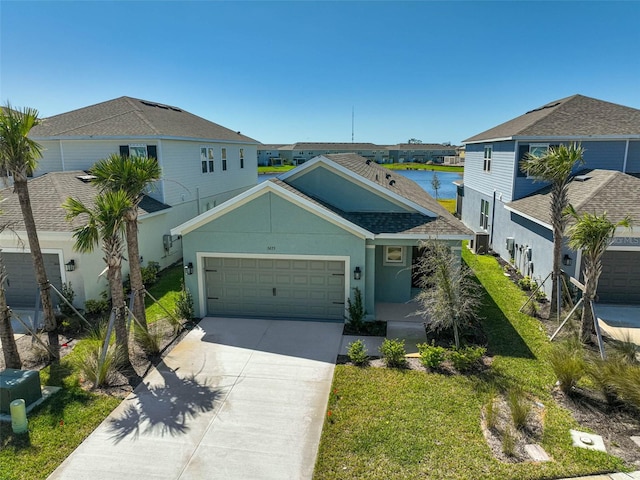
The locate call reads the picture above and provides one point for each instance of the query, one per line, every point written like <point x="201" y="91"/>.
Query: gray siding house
<point x="296" y="246"/>
<point x="495" y="187"/>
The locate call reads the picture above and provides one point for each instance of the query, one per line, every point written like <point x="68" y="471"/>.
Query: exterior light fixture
<point x="357" y="273"/>
<point x="189" y="268"/>
<point x="567" y="260"/>
<point x="70" y="266"/>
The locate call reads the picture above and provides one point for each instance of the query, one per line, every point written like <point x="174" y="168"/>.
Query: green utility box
<point x="16" y="384"/>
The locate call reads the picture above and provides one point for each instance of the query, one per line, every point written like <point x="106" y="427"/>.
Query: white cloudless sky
<point x="282" y="72"/>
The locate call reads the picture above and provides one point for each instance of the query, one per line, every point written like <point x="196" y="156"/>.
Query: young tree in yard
<point x="132" y="175"/>
<point x="18" y="157"/>
<point x="555" y="166"/>
<point x="591" y="234"/>
<point x="435" y="183"/>
<point x="105" y="223"/>
<point x="7" y="340"/>
<point x="449" y="298"/>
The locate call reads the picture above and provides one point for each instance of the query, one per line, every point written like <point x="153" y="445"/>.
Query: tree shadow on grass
<point x="165" y="408"/>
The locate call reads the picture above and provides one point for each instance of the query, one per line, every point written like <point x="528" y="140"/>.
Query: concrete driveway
<point x="236" y="399"/>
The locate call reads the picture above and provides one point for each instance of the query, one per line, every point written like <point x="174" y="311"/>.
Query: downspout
<point x="626" y="155"/>
<point x="61" y="155"/>
<point x="198" y="199"/>
<point x="493" y="216"/>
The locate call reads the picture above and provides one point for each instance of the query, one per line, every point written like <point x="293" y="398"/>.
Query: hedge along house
<point x="296" y="246"/>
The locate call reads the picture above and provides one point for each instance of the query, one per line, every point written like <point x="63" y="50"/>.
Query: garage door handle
<point x="213" y="298"/>
<point x="274" y="291"/>
<point x="338" y="303"/>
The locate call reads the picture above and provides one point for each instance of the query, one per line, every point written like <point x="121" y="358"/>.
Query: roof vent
<point x="581" y="178"/>
<point x="392" y="183"/>
<point x="376" y="177"/>
<point x="550" y="105"/>
<point x="86" y="178"/>
<point x="368" y="162"/>
<point x="387" y="176"/>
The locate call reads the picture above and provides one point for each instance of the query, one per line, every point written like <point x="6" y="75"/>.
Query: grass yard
<point x="422" y="166"/>
<point x="60" y="424"/>
<point x="407" y="424"/>
<point x="448" y="203"/>
<point x="275" y="169"/>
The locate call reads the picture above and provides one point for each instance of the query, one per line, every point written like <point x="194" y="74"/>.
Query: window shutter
<point x="152" y="151"/>
<point x="124" y="150"/>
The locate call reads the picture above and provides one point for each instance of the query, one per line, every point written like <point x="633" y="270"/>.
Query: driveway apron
<point x="235" y="399"/>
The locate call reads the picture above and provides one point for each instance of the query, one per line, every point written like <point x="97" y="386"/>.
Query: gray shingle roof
<point x="573" y="116"/>
<point x="421" y="146"/>
<point x="131" y="117"/>
<point x="48" y="192"/>
<point x="350" y="147"/>
<point x="609" y="191"/>
<point x="386" y="222"/>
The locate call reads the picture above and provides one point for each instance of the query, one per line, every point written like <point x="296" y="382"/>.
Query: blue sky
<point x="282" y="72"/>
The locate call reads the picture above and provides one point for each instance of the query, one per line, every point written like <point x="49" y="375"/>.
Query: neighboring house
<point x="296" y="246"/>
<point x="203" y="164"/>
<point x="420" y="152"/>
<point x="269" y="154"/>
<point x="301" y="152"/>
<point x="55" y="234"/>
<point x="493" y="179"/>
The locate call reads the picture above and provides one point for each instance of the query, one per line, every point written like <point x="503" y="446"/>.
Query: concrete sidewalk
<point x="236" y="399"/>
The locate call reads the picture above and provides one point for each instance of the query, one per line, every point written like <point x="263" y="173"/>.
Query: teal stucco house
<point x="297" y="246"/>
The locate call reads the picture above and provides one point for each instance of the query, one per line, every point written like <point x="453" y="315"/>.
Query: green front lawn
<point x="61" y="423"/>
<point x="275" y="169"/>
<point x="407" y="424"/>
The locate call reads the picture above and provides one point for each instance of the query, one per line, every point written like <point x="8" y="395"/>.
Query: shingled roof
<point x="48" y="192"/>
<point x="592" y="191"/>
<point x="442" y="223"/>
<point x="575" y="116"/>
<point x="132" y="117"/>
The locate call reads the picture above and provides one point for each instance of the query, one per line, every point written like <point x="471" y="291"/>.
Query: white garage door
<point x="22" y="286"/>
<point x="620" y="278"/>
<point x="287" y="288"/>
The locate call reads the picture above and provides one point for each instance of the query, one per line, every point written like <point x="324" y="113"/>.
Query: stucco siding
<point x="633" y="157"/>
<point x="270" y="225"/>
<point x="343" y="193"/>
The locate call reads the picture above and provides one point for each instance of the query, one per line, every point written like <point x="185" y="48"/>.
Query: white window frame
<point x="537" y="145"/>
<point x="135" y="149"/>
<point x="242" y="158"/>
<point x="484" y="215"/>
<point x="486" y="166"/>
<point x="390" y="257"/>
<point x="223" y="155"/>
<point x="203" y="160"/>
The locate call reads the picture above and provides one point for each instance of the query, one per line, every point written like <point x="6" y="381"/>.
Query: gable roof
<point x="436" y="218"/>
<point x="592" y="191"/>
<point x="48" y="192"/>
<point x="132" y="117"/>
<point x="575" y="116"/>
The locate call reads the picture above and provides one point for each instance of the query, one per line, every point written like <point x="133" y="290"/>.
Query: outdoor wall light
<point x="189" y="268"/>
<point x="70" y="266"/>
<point x="357" y="273"/>
<point x="566" y="260"/>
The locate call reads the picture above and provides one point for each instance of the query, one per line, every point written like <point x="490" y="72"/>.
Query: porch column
<point x="370" y="280"/>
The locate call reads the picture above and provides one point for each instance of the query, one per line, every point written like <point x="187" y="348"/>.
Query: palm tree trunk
<point x="587" y="327"/>
<point x="135" y="275"/>
<point x="117" y="302"/>
<point x="50" y="326"/>
<point x="8" y="341"/>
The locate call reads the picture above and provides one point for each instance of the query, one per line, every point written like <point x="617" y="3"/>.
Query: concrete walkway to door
<point x="236" y="399"/>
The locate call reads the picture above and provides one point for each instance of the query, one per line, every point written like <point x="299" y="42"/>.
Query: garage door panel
<point x="303" y="288"/>
<point x="22" y="288"/>
<point x="620" y="278"/>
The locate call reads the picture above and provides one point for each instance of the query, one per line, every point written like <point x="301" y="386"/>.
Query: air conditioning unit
<point x="480" y="243"/>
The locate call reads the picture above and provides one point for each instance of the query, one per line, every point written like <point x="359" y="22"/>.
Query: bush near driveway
<point x="401" y="424"/>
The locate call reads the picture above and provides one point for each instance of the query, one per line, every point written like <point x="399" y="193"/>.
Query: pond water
<point x="421" y="177"/>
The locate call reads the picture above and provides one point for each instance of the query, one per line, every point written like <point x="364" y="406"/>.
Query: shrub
<point x="431" y="356"/>
<point x="508" y="442"/>
<point x="540" y="295"/>
<point x="519" y="406"/>
<point x="491" y="413"/>
<point x="601" y="373"/>
<point x="357" y="353"/>
<point x="184" y="304"/>
<point x="526" y="284"/>
<point x="96" y="307"/>
<point x="356" y="310"/>
<point x="465" y="358"/>
<point x="393" y="353"/>
<point x="627" y="350"/>
<point x="150" y="273"/>
<point x="69" y="295"/>
<point x="627" y="384"/>
<point x="567" y="362"/>
<point x="150" y="339"/>
<point x="87" y="359"/>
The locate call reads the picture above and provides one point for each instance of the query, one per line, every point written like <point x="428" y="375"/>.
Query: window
<point x="203" y="159"/>
<point x="393" y="256"/>
<point x="488" y="153"/>
<point x="535" y="149"/>
<point x="139" y="150"/>
<point x="484" y="214"/>
<point x="224" y="159"/>
<point x="242" y="158"/>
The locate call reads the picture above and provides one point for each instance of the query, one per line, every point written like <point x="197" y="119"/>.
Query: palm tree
<point x="7" y="340"/>
<point x="131" y="175"/>
<point x="105" y="225"/>
<point x="18" y="157"/>
<point x="592" y="234"/>
<point x="555" y="167"/>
